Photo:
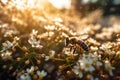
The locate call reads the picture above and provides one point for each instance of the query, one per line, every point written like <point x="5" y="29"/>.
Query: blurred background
<point x="98" y="18"/>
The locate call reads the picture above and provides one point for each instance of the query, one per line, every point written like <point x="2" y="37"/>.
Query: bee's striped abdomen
<point x="83" y="45"/>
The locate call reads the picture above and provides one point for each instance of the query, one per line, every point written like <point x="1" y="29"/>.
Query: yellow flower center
<point x="87" y="65"/>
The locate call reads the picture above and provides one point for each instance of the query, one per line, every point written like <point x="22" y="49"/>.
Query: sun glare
<point x="23" y="4"/>
<point x="4" y="1"/>
<point x="32" y="3"/>
<point x="61" y="3"/>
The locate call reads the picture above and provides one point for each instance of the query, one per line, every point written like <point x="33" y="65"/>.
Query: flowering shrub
<point x="32" y="47"/>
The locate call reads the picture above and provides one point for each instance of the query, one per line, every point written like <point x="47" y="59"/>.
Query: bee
<point x="74" y="42"/>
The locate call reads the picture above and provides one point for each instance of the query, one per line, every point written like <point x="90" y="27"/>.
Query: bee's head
<point x="66" y="41"/>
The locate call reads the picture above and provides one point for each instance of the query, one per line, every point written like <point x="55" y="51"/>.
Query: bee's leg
<point x="71" y="48"/>
<point x="71" y="52"/>
<point x="74" y="50"/>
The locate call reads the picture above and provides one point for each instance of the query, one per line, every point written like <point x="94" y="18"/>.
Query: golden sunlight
<point x="59" y="4"/>
<point x="78" y="39"/>
<point x="4" y="1"/>
<point x="23" y="4"/>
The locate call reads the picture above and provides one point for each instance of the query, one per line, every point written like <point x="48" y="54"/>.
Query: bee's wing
<point x="83" y="37"/>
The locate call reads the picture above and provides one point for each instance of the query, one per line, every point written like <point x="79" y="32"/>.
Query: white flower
<point x="15" y="41"/>
<point x="34" y="32"/>
<point x="25" y="76"/>
<point x="41" y="74"/>
<point x="96" y="62"/>
<point x="77" y="70"/>
<point x="16" y="38"/>
<point x="7" y="45"/>
<point x="6" y="55"/>
<point x="96" y="59"/>
<point x="106" y="47"/>
<point x="87" y="62"/>
<point x="30" y="70"/>
<point x="47" y="58"/>
<point x="97" y="56"/>
<point x="108" y="67"/>
<point x="52" y="52"/>
<point x="10" y="33"/>
<point x="86" y="65"/>
<point x="51" y="55"/>
<point x="35" y="43"/>
<point x="92" y="58"/>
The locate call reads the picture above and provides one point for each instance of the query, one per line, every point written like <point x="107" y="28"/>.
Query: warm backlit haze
<point x="61" y="3"/>
<point x="20" y="4"/>
<point x="59" y="40"/>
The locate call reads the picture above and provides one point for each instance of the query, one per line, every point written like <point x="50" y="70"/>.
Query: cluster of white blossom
<point x="87" y="63"/>
<point x="7" y="48"/>
<point x="31" y="71"/>
<point x="34" y="40"/>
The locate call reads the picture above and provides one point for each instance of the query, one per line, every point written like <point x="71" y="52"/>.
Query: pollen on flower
<point x="87" y="65"/>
